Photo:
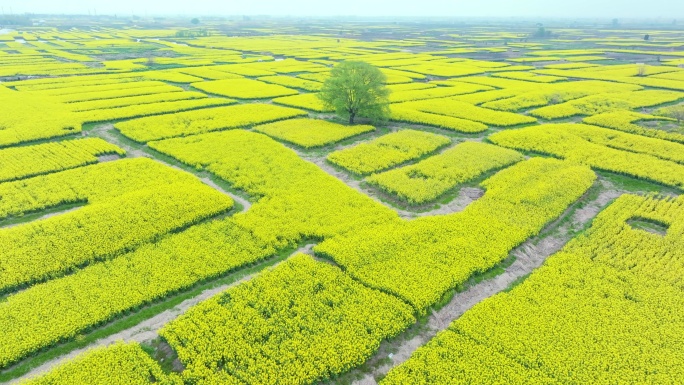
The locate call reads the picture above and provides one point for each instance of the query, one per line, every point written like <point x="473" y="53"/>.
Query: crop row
<point x="27" y="161"/>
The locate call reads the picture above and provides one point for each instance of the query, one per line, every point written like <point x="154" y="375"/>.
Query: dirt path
<point x="242" y="201"/>
<point x="148" y="329"/>
<point x="529" y="256"/>
<point x="45" y="216"/>
<point x="466" y="195"/>
<point x="103" y="131"/>
<point x="107" y="158"/>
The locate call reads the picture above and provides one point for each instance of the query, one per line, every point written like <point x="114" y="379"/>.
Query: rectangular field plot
<point x="244" y="89"/>
<point x="310" y="133"/>
<point x="299" y="322"/>
<point x="162" y="107"/>
<point x="134" y="100"/>
<point x="34" y="117"/>
<point x="452" y="358"/>
<point x="596" y="104"/>
<point x="293" y="82"/>
<point x="108" y="91"/>
<point x="387" y="151"/>
<point x="436" y="92"/>
<point x="627" y="121"/>
<point x="120" y="364"/>
<point x="409" y="115"/>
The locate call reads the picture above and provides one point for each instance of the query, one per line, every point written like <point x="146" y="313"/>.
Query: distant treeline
<point x="10" y="20"/>
<point x="192" y="33"/>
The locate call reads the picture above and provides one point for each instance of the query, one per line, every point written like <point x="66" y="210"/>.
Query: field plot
<point x="23" y="162"/>
<point x="118" y="365"/>
<point x="453" y="108"/>
<point x="310" y="133"/>
<point x="303" y="321"/>
<point x="33" y="117"/>
<point x="306" y="101"/>
<point x="387" y="151"/>
<point x="292" y="82"/>
<point x="244" y="89"/>
<point x="476" y="204"/>
<point x="626" y="121"/>
<point x="596" y="104"/>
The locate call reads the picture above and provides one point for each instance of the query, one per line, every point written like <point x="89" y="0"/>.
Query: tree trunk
<point x="351" y="118"/>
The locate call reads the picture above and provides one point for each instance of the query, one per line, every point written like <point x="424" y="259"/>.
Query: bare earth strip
<point x="465" y="197"/>
<point x="244" y="202"/>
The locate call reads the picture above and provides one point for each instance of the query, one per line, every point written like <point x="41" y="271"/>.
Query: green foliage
<point x="675" y="112"/>
<point x="542" y="33"/>
<point x="193" y="32"/>
<point x="357" y="89"/>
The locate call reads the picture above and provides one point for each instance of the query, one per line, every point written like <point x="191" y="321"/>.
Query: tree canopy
<point x="357" y="88"/>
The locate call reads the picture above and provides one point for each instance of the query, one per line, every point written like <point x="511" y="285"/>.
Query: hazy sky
<point x="667" y="9"/>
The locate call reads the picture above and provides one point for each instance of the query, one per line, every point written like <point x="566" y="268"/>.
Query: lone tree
<point x="356" y="88"/>
<point x="195" y="21"/>
<point x="542" y="33"/>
